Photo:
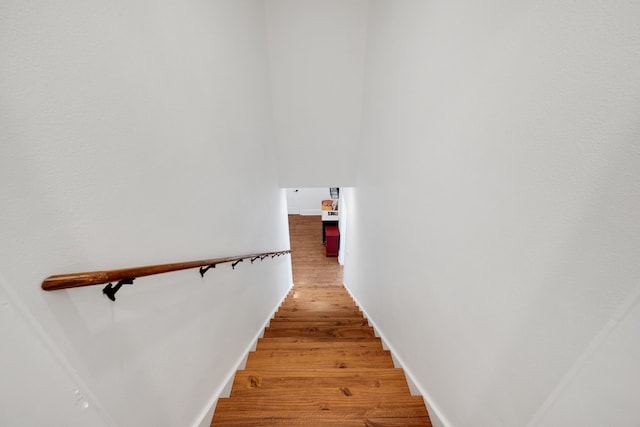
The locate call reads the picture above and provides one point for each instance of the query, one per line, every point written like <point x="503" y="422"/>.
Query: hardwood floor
<point x="319" y="362"/>
<point x="308" y="259"/>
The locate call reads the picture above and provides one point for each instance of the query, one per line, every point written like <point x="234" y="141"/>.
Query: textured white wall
<point x="306" y="201"/>
<point x="500" y="156"/>
<point x="312" y="198"/>
<point x="316" y="50"/>
<point x="134" y="133"/>
<point x="37" y="384"/>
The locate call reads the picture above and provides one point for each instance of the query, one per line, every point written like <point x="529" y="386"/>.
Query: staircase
<point x="319" y="363"/>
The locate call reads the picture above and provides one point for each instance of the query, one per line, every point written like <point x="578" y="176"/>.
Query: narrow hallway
<point x="319" y="362"/>
<point x="310" y="265"/>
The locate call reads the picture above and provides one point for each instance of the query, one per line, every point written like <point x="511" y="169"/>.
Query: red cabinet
<point x="333" y="240"/>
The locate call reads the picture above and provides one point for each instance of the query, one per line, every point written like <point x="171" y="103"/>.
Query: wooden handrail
<point x="76" y="280"/>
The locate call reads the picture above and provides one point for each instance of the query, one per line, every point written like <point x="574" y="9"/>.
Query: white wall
<point x="316" y="50"/>
<point x="503" y="265"/>
<point x="26" y="363"/>
<point x="309" y="200"/>
<point x="343" y="224"/>
<point x="294" y="201"/>
<point x="135" y="133"/>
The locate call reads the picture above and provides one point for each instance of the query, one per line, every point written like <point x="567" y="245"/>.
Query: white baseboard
<point x="204" y="419"/>
<point x="437" y="417"/>
<point x="311" y="212"/>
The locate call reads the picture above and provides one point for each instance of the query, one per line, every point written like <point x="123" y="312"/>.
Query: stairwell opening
<point x="329" y="204"/>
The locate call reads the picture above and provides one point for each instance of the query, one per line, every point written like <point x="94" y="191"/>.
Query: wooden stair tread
<point x="342" y="359"/>
<point x="326" y="300"/>
<point x="398" y="406"/>
<point x="315" y="306"/>
<point x="342" y="321"/>
<point x="306" y="294"/>
<point x="327" y="382"/>
<point x="331" y="296"/>
<point x="307" y="419"/>
<point x="318" y="307"/>
<point x="317" y="314"/>
<point x="385" y="411"/>
<point x="309" y="306"/>
<point x="317" y="284"/>
<point x="319" y="352"/>
<point x="321" y="331"/>
<point x="287" y="343"/>
<point x="335" y="299"/>
<point x="300" y="292"/>
<point x="304" y="420"/>
<point x="294" y="339"/>
<point x="336" y="320"/>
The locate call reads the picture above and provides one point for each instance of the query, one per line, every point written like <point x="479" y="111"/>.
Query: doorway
<point x="309" y="201"/>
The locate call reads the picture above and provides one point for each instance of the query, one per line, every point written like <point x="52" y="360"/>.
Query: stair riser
<point x="317" y="306"/>
<point x="331" y="343"/>
<point x="317" y="314"/>
<point x="335" y="332"/>
<point x="321" y="346"/>
<point x="304" y="420"/>
<point x="288" y="323"/>
<point x="317" y="356"/>
<point x="314" y="363"/>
